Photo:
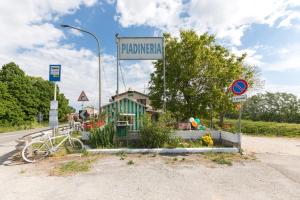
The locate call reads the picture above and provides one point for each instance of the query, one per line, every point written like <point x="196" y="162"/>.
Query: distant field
<point x="23" y="127"/>
<point x="261" y="128"/>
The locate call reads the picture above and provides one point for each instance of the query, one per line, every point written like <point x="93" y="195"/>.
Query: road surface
<point x="275" y="174"/>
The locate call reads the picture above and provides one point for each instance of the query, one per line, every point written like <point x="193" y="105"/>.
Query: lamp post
<point x="98" y="46"/>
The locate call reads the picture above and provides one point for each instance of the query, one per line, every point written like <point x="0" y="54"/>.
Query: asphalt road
<point x="12" y="136"/>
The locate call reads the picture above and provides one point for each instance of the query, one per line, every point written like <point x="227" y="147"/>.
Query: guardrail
<point x="21" y="142"/>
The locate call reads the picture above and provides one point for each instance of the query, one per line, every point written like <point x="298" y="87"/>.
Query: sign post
<point x="54" y="76"/>
<point x="141" y="48"/>
<point x="83" y="113"/>
<point x="239" y="87"/>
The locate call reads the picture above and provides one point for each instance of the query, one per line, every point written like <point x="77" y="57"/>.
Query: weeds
<point x="72" y="167"/>
<point x="220" y="158"/>
<point x="130" y="162"/>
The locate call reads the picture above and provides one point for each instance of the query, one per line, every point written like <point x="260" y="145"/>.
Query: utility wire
<point x="123" y="80"/>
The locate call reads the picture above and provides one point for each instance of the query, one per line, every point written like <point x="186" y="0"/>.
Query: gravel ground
<point x="274" y="145"/>
<point x="275" y="174"/>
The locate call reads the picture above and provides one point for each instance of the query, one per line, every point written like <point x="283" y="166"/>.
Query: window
<point x="142" y="101"/>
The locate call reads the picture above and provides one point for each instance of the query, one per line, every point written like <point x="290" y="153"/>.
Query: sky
<point x="31" y="36"/>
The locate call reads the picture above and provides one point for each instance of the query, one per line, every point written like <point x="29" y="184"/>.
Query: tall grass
<point x="102" y="137"/>
<point x="261" y="128"/>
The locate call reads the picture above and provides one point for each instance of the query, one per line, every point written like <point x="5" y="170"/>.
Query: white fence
<point x="215" y="134"/>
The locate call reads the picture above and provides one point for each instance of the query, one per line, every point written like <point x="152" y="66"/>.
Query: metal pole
<point x="55" y="91"/>
<point x="117" y="42"/>
<point x="98" y="47"/>
<point x="240" y="130"/>
<point x="164" y="103"/>
<point x="100" y="85"/>
<point x="55" y="88"/>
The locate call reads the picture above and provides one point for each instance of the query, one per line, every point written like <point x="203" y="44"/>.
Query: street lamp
<point x="98" y="46"/>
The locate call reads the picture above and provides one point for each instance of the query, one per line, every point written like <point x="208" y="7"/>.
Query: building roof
<point x="133" y="91"/>
<point x="122" y="99"/>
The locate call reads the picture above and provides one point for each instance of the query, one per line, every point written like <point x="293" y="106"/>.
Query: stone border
<point x="166" y="150"/>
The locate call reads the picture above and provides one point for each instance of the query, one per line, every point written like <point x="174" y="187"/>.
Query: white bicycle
<point x="38" y="150"/>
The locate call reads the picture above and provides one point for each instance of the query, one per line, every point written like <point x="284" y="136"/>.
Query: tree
<point x="278" y="107"/>
<point x="199" y="73"/>
<point x="20" y="87"/>
<point x="10" y="112"/>
<point x="23" y="97"/>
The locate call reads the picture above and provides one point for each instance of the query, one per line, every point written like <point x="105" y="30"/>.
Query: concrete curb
<point x="166" y="151"/>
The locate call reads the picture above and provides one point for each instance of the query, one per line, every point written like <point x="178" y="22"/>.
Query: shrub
<point x="102" y="137"/>
<point x="207" y="140"/>
<point x="157" y="134"/>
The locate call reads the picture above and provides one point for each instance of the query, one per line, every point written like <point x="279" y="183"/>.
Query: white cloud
<point x="75" y="32"/>
<point x="33" y="42"/>
<point x="27" y="23"/>
<point x="227" y="19"/>
<point x="29" y="38"/>
<point x="253" y="58"/>
<point x="271" y="87"/>
<point x="163" y="14"/>
<point x="284" y="59"/>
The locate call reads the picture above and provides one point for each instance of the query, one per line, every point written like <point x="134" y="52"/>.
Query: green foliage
<point x="102" y="137"/>
<point x="22" y="97"/>
<point x="276" y="107"/>
<point x="7" y="105"/>
<point x="207" y="140"/>
<point x="198" y="71"/>
<point x="157" y="134"/>
<point x="266" y="128"/>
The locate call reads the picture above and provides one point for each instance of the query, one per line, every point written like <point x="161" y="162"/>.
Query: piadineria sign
<point x="140" y="48"/>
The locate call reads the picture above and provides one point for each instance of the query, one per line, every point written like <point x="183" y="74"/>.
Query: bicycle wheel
<point x="74" y="145"/>
<point x="35" y="151"/>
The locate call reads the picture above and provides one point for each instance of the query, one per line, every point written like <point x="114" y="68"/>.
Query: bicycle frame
<point x="55" y="147"/>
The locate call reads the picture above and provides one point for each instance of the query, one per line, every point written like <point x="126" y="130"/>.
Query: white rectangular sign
<point x="140" y="48"/>
<point x="240" y="98"/>
<point x="54" y="105"/>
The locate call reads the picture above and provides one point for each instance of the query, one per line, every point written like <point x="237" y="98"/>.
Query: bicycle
<point x="38" y="150"/>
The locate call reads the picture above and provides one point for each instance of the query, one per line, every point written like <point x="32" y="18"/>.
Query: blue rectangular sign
<point x="54" y="72"/>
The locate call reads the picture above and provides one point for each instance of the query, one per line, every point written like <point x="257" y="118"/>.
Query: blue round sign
<point x="239" y="87"/>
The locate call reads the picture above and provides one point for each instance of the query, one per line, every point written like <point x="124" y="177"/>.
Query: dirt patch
<point x="210" y="160"/>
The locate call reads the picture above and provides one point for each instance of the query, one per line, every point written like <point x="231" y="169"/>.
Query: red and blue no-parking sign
<point x="239" y="87"/>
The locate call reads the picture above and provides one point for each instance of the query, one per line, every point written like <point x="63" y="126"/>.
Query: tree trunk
<point x="221" y="119"/>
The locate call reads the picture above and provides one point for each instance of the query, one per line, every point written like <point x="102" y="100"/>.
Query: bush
<point x="102" y="137"/>
<point x="207" y="140"/>
<point x="157" y="134"/>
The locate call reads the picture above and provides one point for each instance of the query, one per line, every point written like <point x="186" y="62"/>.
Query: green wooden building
<point x="125" y="110"/>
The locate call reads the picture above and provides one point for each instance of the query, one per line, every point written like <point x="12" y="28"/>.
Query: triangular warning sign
<point x="82" y="97"/>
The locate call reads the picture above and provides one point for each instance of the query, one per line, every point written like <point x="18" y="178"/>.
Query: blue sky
<point x="268" y="31"/>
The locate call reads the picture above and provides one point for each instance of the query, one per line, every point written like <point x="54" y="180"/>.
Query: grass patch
<point x="220" y="158"/>
<point x="23" y="127"/>
<point x="72" y="167"/>
<point x="122" y="155"/>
